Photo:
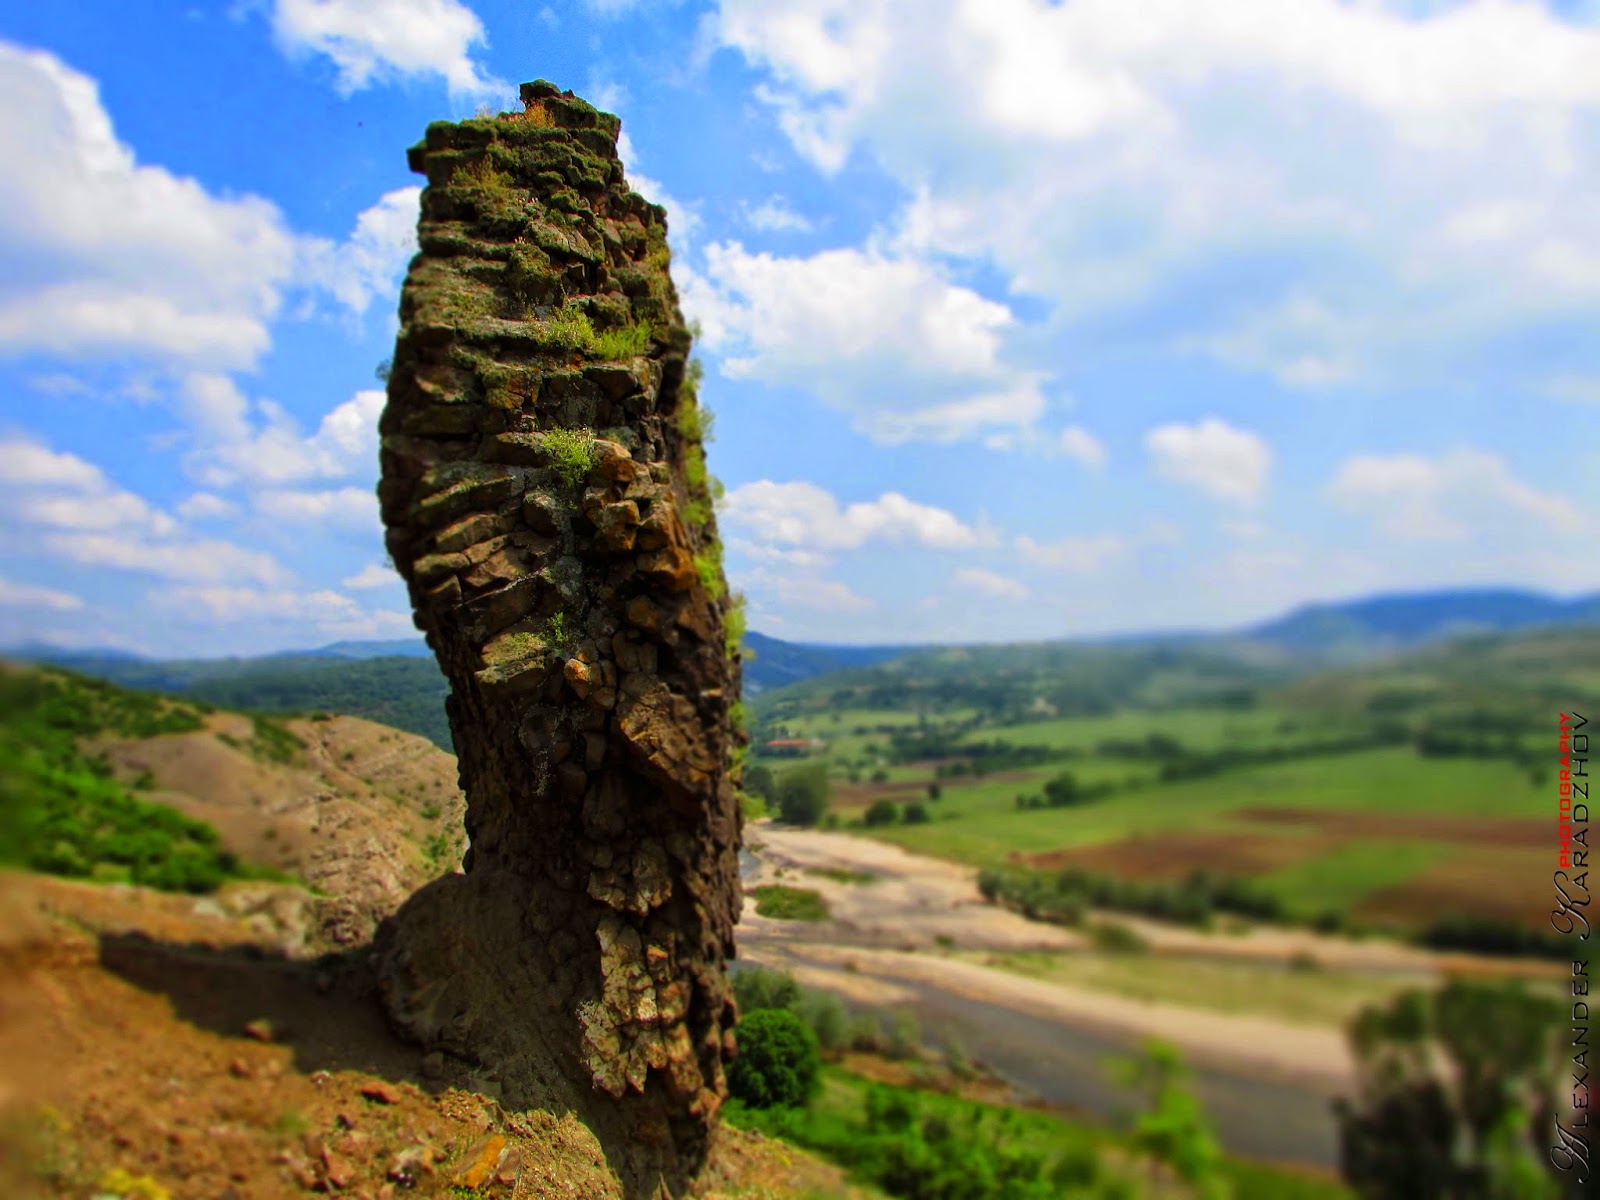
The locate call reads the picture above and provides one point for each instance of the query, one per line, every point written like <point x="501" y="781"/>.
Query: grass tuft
<point x="571" y="453"/>
<point x="784" y="903"/>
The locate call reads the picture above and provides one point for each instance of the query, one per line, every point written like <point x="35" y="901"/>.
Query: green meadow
<point x="1330" y="789"/>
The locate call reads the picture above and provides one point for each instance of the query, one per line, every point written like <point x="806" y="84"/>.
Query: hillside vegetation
<point x="63" y="811"/>
<point x="117" y="785"/>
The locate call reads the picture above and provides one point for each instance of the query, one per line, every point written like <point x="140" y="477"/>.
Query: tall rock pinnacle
<point x="546" y="500"/>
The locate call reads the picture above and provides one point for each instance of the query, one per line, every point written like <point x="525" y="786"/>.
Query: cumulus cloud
<point x="344" y="508"/>
<point x="373" y="575"/>
<point x="775" y="216"/>
<point x="107" y="256"/>
<point x="367" y="265"/>
<point x="805" y="515"/>
<point x="27" y="595"/>
<point x="1228" y="463"/>
<point x="1450" y="497"/>
<point x="888" y="340"/>
<point x="61" y="491"/>
<point x="371" y="41"/>
<point x="991" y="583"/>
<point x="1079" y="443"/>
<point x="204" y="506"/>
<point x="80" y="515"/>
<point x="239" y="440"/>
<point x="179" y="558"/>
<point x="806" y="590"/>
<point x="1412" y="180"/>
<point x="330" y="613"/>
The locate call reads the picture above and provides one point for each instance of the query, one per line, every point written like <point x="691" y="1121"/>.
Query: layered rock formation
<point x="546" y="500"/>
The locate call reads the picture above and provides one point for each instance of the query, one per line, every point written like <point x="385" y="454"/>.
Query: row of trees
<point x="1063" y="897"/>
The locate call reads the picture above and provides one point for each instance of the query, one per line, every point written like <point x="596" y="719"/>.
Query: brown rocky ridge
<point x="546" y="500"/>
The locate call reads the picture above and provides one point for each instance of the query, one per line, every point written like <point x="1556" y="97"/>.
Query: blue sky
<point x="1021" y="319"/>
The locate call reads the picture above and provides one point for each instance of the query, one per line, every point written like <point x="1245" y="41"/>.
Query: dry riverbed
<point x="1259" y="1000"/>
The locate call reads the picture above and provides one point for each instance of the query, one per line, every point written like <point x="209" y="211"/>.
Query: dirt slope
<point x="365" y="814"/>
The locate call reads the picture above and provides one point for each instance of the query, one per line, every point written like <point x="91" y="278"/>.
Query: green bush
<point x="882" y="812"/>
<point x="802" y="794"/>
<point x="762" y="987"/>
<point x="778" y="1061"/>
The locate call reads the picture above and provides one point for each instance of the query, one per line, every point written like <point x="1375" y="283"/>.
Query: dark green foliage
<point x="1491" y="935"/>
<point x="778" y="1061"/>
<point x="762" y="987"/>
<point x="822" y="1012"/>
<point x="916" y="814"/>
<point x="1453" y="1094"/>
<point x="925" y="1147"/>
<point x="1064" y="895"/>
<point x="63" y="814"/>
<point x="802" y="794"/>
<point x="408" y="693"/>
<point x="759" y="781"/>
<point x="882" y="812"/>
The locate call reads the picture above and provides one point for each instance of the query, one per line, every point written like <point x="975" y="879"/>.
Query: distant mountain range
<point x="1359" y="629"/>
<point x="397" y="681"/>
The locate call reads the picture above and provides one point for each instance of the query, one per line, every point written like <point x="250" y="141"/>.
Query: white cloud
<point x="775" y="216"/>
<point x="888" y="340"/>
<point x="370" y="41"/>
<point x="83" y="517"/>
<point x="26" y="595"/>
<point x="1417" y="179"/>
<point x="191" y="559"/>
<point x="345" y="508"/>
<point x="373" y="575"/>
<point x="61" y="491"/>
<point x="788" y="555"/>
<point x="240" y="441"/>
<point x="367" y="265"/>
<point x="991" y="583"/>
<point x="28" y="464"/>
<point x="225" y="603"/>
<point x="804" y="590"/>
<point x="203" y="506"/>
<point x="329" y="613"/>
<point x="1079" y="443"/>
<point x="1456" y="495"/>
<point x="1228" y="463"/>
<point x="105" y="256"/>
<point x="808" y="516"/>
<point x="1079" y="554"/>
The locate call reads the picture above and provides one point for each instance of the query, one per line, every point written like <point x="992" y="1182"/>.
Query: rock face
<point x="546" y="499"/>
